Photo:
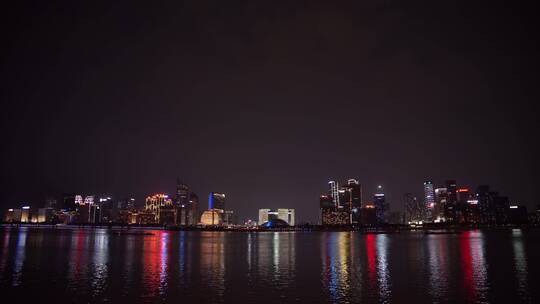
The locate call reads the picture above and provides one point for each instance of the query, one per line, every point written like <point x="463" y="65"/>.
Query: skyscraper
<point x="353" y="199"/>
<point x="381" y="207"/>
<point x="216" y="200"/>
<point x="334" y="192"/>
<point x="429" y="200"/>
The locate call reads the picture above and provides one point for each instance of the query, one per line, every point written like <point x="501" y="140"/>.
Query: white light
<point x="26" y="207"/>
<point x="10" y="210"/>
<point x="513" y="207"/>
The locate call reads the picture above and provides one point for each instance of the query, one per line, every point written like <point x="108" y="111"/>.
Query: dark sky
<point x="267" y="100"/>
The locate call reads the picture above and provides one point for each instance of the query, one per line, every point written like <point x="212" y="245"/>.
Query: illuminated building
<point x="369" y="215"/>
<point x="13" y="215"/>
<point x="25" y="214"/>
<point x="227" y="217"/>
<point x="381" y="206"/>
<point x="264" y="215"/>
<point x="441" y="197"/>
<point x="186" y="203"/>
<point x="45" y="215"/>
<point x="216" y="201"/>
<point x="286" y="215"/>
<point x="353" y="199"/>
<point x="161" y="207"/>
<point x="414" y="210"/>
<point x="211" y="217"/>
<point x="429" y="200"/>
<point x="334" y="192"/>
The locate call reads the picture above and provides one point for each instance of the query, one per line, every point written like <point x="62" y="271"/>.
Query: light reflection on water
<point x="520" y="264"/>
<point x="95" y="265"/>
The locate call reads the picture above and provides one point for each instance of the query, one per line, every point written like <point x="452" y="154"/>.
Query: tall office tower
<point x="182" y="194"/>
<point x="485" y="204"/>
<point x="451" y="212"/>
<point x="334" y="192"/>
<point x="353" y="199"/>
<point x="451" y="190"/>
<point x="429" y="200"/>
<point x="460" y="210"/>
<point x="184" y="213"/>
<point x="379" y="200"/>
<point x="216" y="201"/>
<point x="413" y="209"/>
<point x="441" y="197"/>
<point x="193" y="214"/>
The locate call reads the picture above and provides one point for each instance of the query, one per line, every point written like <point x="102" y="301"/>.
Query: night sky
<point x="267" y="100"/>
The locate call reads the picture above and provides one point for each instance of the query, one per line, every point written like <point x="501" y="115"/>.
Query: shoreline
<point x="390" y="229"/>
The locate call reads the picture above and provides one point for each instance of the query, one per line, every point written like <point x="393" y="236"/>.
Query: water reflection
<point x="155" y="264"/>
<point x="382" y="267"/>
<point x="20" y="256"/>
<point x="213" y="261"/>
<point x="99" y="262"/>
<point x="336" y="265"/>
<point x="5" y="251"/>
<point x="473" y="266"/>
<point x="520" y="264"/>
<point x="438" y="270"/>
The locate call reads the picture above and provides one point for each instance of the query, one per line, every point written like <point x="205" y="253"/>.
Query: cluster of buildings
<point x="451" y="203"/>
<point x="447" y="203"/>
<point x="343" y="205"/>
<point x="159" y="209"/>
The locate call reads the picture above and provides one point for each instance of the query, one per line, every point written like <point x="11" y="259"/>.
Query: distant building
<point x="45" y="215"/>
<point x="517" y="215"/>
<point x="216" y="201"/>
<point x="334" y="192"/>
<point x="286" y="215"/>
<point x="414" y="210"/>
<point x="441" y="199"/>
<point x="429" y="201"/>
<point x="381" y="207"/>
<point x="161" y="207"/>
<point x="369" y="215"/>
<point x="212" y="217"/>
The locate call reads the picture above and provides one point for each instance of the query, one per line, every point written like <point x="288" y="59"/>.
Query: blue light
<point x="211" y="201"/>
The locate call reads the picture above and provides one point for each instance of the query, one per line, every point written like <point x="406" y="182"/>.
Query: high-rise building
<point x="441" y="198"/>
<point x="216" y="201"/>
<point x="353" y="199"/>
<point x="381" y="206"/>
<point x="334" y="192"/>
<point x="158" y="205"/>
<point x="429" y="200"/>
<point x="182" y="194"/>
<point x="414" y="210"/>
<point x="186" y="203"/>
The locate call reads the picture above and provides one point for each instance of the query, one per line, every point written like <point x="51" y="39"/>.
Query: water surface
<point x="96" y="265"/>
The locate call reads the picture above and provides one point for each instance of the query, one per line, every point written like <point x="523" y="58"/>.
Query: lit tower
<point x="379" y="200"/>
<point x="429" y="200"/>
<point x="334" y="192"/>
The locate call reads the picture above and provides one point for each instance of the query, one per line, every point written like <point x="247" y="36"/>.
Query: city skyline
<point x="266" y="101"/>
<point x="349" y="195"/>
